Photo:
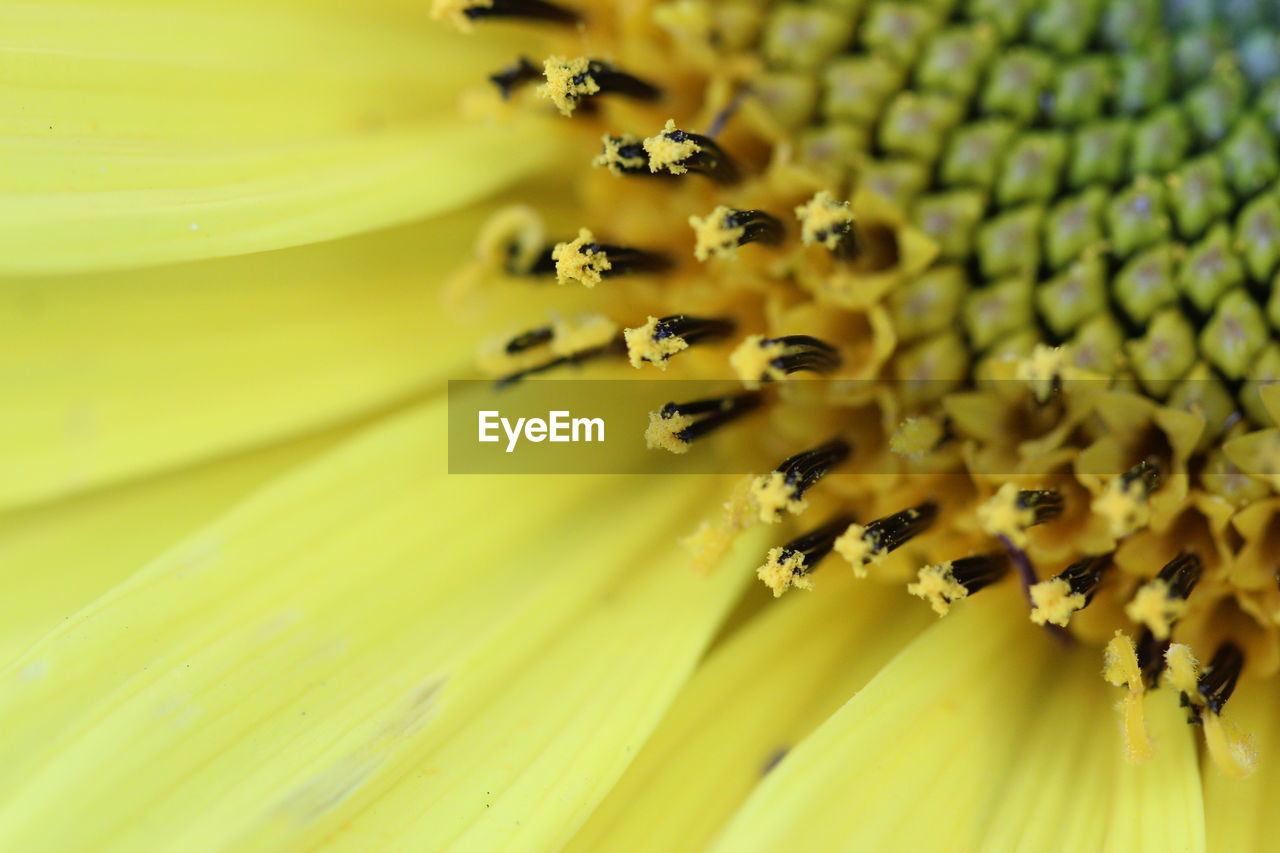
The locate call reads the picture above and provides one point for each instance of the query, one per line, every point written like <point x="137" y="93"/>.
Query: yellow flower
<point x="248" y="608"/>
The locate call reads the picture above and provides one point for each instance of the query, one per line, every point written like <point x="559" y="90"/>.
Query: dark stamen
<point x="614" y="347"/>
<point x="804" y="353"/>
<point x="980" y="570"/>
<point x="1219" y="678"/>
<point x="816" y="544"/>
<point x="625" y="155"/>
<point x="758" y="227"/>
<point x="624" y="260"/>
<point x="532" y="10"/>
<point x="1045" y="504"/>
<point x="514" y="76"/>
<point x="715" y="413"/>
<point x="692" y="329"/>
<point x="1182" y="573"/>
<point x="612" y="81"/>
<point x="710" y="160"/>
<point x="530" y="339"/>
<point x="1084" y="576"/>
<point x="893" y="531"/>
<point x="1151" y="659"/>
<point x="1145" y="472"/>
<point x="801" y="471"/>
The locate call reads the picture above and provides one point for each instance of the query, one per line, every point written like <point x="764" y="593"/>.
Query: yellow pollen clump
<point x="1042" y="369"/>
<point x="1182" y="670"/>
<point x="854" y="547"/>
<point x="824" y="220"/>
<point x="938" y="586"/>
<point x="772" y="496"/>
<point x="1153" y="605"/>
<point x="715" y="236"/>
<point x="455" y="11"/>
<point x="613" y="159"/>
<point x="568" y="82"/>
<point x="643" y="347"/>
<point x="661" y="432"/>
<point x="780" y="574"/>
<point x="666" y="153"/>
<point x="917" y="437"/>
<point x="1124" y="506"/>
<point x="1053" y="601"/>
<point x="585" y="333"/>
<point x="574" y="264"/>
<point x="710" y="541"/>
<point x="753" y="360"/>
<point x="1002" y="516"/>
<point x="1120" y="667"/>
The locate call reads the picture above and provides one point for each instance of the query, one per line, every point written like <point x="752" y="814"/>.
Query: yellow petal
<point x="112" y="376"/>
<point x="757" y="696"/>
<point x="135" y="135"/>
<point x="363" y="622"/>
<point x="918" y="756"/>
<point x="1241" y="813"/>
<point x="56" y="559"/>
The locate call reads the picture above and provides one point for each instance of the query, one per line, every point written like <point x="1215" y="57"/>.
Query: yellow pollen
<point x="710" y="541"/>
<point x="661" y="432"/>
<point x="568" y="82"/>
<point x="824" y="220"/>
<point x="1040" y="369"/>
<point x="585" y="333"/>
<point x="1124" y="506"/>
<point x="938" y="586"/>
<point x="574" y="264"/>
<point x="1002" y="516"/>
<point x="716" y="237"/>
<point x="915" y="438"/>
<point x="772" y="496"/>
<point x="455" y="11"/>
<point x="666" y="153"/>
<point x="613" y="159"/>
<point x="780" y="574"/>
<point x="1053" y="601"/>
<point x="854" y="547"/>
<point x="1156" y="607"/>
<point x="1230" y="748"/>
<point x="1182" y="670"/>
<point x="643" y="347"/>
<point x="753" y="360"/>
<point x="1120" y="667"/>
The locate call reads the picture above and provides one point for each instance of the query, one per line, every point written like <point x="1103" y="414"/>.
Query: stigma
<point x="759" y="359"/>
<point x="1124" y="502"/>
<point x="570" y="80"/>
<point x="677" y="425"/>
<point x="791" y="564"/>
<point x="782" y="490"/>
<point x="1011" y="511"/>
<point x="721" y="232"/>
<point x="864" y="546"/>
<point x="1056" y="600"/>
<point x="827" y="222"/>
<point x="944" y="584"/>
<point x="1163" y="600"/>
<point x="588" y="262"/>
<point x="544" y="348"/>
<point x="660" y="338"/>
<point x="678" y="152"/>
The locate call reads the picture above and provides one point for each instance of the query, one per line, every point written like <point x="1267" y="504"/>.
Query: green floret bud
<point x="1268" y="106"/>
<point x="951" y="220"/>
<point x="1216" y="103"/>
<point x="1127" y="24"/>
<point x="1014" y="347"/>
<point x="928" y="303"/>
<point x="1145" y="79"/>
<point x="1137" y="218"/>
<point x="1075" y="225"/>
<point x="1164" y="354"/>
<point x="1235" y="334"/>
<point x="1160" y="142"/>
<point x="1082" y="90"/>
<point x="1199" y="195"/>
<point x="955" y="59"/>
<point x="1015" y="84"/>
<point x="804" y="36"/>
<point x="1210" y="269"/>
<point x="1273" y="302"/>
<point x="1264" y="371"/>
<point x="932" y="368"/>
<point x="1078" y="294"/>
<point x="899" y="181"/>
<point x="1032" y="169"/>
<point x="898" y="30"/>
<point x="1099" y="154"/>
<point x="918" y="125"/>
<point x="998" y="310"/>
<point x="858" y="87"/>
<point x="1064" y="26"/>
<point x="1195" y="51"/>
<point x="1250" y="156"/>
<point x="1202" y="394"/>
<point x="973" y="157"/>
<point x="1098" y="346"/>
<point x="1007" y="16"/>
<point x="1259" y="57"/>
<point x="1009" y="244"/>
<point x="1258" y="236"/>
<point x="833" y="149"/>
<point x="789" y="97"/>
<point x="1148" y="282"/>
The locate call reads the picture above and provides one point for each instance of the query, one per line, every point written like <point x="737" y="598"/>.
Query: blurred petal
<point x="136" y="134"/>
<point x="919" y="754"/>
<point x="112" y="376"/>
<point x="758" y="695"/>
<point x="362" y="623"/>
<point x="1241" y="813"/>
<point x="56" y="559"/>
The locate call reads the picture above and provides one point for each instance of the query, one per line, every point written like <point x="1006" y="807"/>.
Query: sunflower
<point x="988" y="281"/>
